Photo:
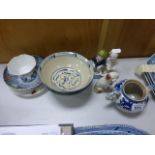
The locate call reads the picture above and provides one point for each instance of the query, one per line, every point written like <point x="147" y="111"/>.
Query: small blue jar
<point x="129" y="96"/>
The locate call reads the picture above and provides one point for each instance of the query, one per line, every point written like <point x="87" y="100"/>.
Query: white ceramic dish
<point x="41" y="89"/>
<point x="21" y="65"/>
<point x="66" y="72"/>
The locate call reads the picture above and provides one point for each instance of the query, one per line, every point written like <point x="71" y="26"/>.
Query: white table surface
<point x="84" y="108"/>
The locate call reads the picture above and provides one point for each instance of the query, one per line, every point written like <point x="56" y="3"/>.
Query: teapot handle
<point x="113" y="96"/>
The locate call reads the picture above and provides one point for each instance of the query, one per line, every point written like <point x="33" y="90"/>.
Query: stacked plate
<point x="111" y="129"/>
<point x="21" y="75"/>
<point x="150" y="77"/>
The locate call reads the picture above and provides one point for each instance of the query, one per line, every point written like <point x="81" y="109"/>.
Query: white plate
<point x="34" y="93"/>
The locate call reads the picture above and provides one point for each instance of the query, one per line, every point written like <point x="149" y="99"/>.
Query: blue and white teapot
<point x="129" y="96"/>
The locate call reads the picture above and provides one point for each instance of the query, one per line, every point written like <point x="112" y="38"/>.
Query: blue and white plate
<point x="150" y="77"/>
<point x="21" y="82"/>
<point x="111" y="129"/>
<point x="104" y="132"/>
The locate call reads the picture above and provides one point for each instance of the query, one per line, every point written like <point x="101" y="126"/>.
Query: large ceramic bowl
<point x="66" y="72"/>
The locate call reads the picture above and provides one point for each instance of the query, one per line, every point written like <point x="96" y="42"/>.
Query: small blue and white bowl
<point x="22" y="76"/>
<point x="129" y="96"/>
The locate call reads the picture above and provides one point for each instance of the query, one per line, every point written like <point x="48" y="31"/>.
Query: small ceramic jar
<point x="129" y="96"/>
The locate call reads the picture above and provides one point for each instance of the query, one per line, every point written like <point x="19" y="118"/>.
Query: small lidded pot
<point x="129" y="96"/>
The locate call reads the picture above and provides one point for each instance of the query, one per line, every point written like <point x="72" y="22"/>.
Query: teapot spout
<point x="113" y="96"/>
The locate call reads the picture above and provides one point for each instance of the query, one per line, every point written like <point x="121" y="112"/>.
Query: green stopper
<point x="103" y="53"/>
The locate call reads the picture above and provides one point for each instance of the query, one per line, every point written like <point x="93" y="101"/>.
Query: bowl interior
<point x="22" y="64"/>
<point x="135" y="90"/>
<point x="66" y="73"/>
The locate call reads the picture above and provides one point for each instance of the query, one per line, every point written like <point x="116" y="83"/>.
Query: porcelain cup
<point x="22" y="77"/>
<point x="22" y="65"/>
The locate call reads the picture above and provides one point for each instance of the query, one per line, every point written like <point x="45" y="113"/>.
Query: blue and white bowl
<point x="25" y="85"/>
<point x="66" y="72"/>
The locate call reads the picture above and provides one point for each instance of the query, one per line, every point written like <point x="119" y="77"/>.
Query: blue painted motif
<point x="66" y="78"/>
<point x="119" y="85"/>
<point x="110" y="129"/>
<point x="125" y="104"/>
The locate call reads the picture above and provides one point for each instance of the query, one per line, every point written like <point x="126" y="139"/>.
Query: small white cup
<point x="21" y="65"/>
